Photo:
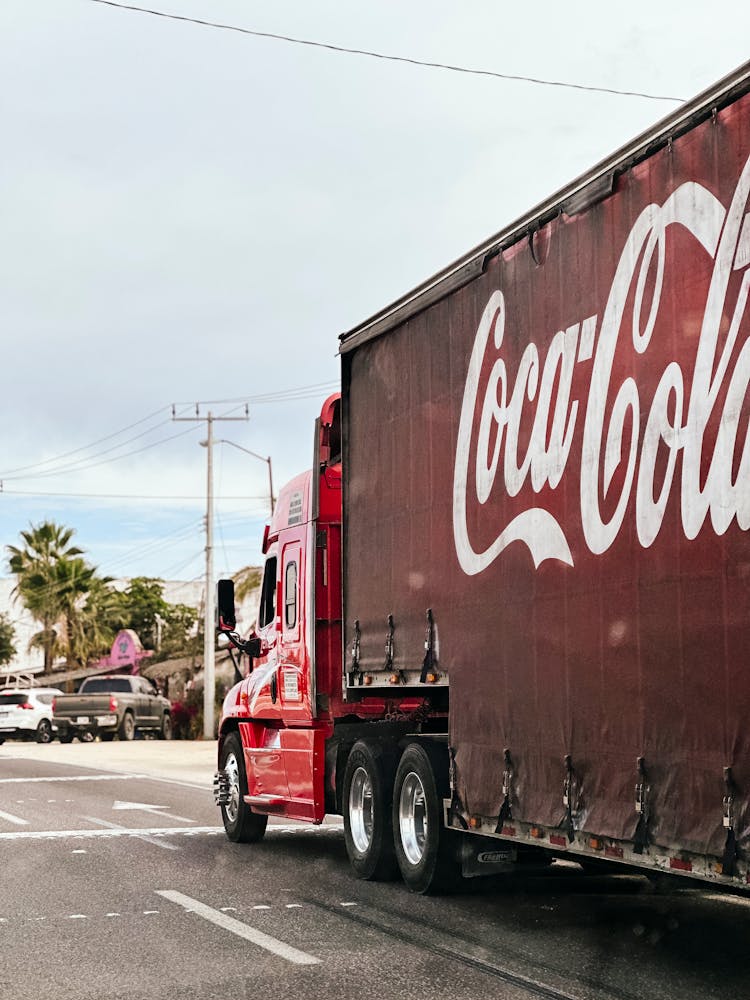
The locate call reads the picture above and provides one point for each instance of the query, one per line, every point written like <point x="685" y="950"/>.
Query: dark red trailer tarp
<point x="554" y="458"/>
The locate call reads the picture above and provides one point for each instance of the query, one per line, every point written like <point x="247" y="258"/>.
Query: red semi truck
<point x="506" y="614"/>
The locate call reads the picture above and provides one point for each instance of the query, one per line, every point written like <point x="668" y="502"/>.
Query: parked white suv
<point x="27" y="714"/>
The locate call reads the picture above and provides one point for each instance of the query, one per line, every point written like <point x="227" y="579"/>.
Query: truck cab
<point x="282" y="711"/>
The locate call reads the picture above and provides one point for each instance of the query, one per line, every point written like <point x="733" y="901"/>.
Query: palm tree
<point x="44" y="581"/>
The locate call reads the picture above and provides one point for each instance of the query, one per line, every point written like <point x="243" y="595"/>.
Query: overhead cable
<point x="381" y="55"/>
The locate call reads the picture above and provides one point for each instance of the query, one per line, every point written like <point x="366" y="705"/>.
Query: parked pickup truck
<point x="112" y="706"/>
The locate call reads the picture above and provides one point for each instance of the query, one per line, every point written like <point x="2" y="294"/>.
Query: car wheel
<point x="44" y="731"/>
<point x="368" y="799"/>
<point x="426" y="851"/>
<point x="106" y="737"/>
<point x="165" y="733"/>
<point x="241" y="824"/>
<point x="66" y="737"/>
<point x="127" y="727"/>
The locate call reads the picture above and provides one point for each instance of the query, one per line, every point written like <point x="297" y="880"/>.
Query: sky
<point x="190" y="216"/>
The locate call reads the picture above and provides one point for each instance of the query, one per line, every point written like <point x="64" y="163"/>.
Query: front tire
<point x="127" y="727"/>
<point x="425" y="850"/>
<point x="241" y="824"/>
<point x="165" y="731"/>
<point x="368" y="822"/>
<point x="44" y="731"/>
<point x="66" y="737"/>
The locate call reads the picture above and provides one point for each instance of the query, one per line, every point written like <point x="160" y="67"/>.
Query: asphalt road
<point x="116" y="881"/>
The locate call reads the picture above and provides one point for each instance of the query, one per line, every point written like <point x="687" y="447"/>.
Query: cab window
<point x="290" y="595"/>
<point x="267" y="611"/>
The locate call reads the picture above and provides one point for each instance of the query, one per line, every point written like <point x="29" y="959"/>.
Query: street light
<point x="260" y="458"/>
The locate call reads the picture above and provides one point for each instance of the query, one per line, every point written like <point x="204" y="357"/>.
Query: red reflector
<point x="613" y="852"/>
<point x="557" y="840"/>
<point x="54" y="704"/>
<point x="510" y="831"/>
<point x="113" y="704"/>
<point x="680" y="865"/>
<point x="26" y="704"/>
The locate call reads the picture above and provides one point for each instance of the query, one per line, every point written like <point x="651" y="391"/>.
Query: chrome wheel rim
<point x="361" y="810"/>
<point x="45" y="731"/>
<point x="231" y="767"/>
<point x="412" y="818"/>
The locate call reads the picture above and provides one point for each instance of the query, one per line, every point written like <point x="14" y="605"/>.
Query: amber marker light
<point x="368" y="680"/>
<point x="475" y="822"/>
<point x="536" y="832"/>
<point x="432" y="678"/>
<point x="394" y="678"/>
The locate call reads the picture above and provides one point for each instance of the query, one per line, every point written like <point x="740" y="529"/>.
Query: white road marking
<point x="144" y="807"/>
<point x="114" y="831"/>
<point x="229" y="909"/>
<point x="79" y="850"/>
<point x="77" y="777"/>
<point x="294" y="906"/>
<point x="148" y="913"/>
<point x="113" y="914"/>
<point x="13" y="819"/>
<point x="244" y="931"/>
<point x="348" y="904"/>
<point x="261" y="907"/>
<point x="78" y="916"/>
<point x="147" y="838"/>
<point x="159" y="831"/>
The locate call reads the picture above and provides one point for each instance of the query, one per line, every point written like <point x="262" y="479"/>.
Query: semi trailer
<point x="505" y="615"/>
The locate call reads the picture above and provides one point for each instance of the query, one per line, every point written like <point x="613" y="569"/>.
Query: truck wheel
<point x="241" y="824"/>
<point x="165" y="731"/>
<point x="106" y="737"/>
<point x="368" y="820"/>
<point x="425" y="850"/>
<point x="44" y="731"/>
<point x="127" y="727"/>
<point x="66" y="737"/>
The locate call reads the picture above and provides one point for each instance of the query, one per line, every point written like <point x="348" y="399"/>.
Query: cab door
<point x="295" y="687"/>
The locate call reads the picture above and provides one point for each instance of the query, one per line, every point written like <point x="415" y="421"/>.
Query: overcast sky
<point x="191" y="214"/>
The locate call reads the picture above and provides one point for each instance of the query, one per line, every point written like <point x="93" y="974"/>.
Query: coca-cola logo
<point x="613" y="449"/>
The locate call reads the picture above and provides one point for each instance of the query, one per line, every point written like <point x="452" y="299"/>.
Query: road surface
<point x="117" y="882"/>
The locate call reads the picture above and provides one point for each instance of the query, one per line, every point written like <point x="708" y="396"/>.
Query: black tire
<point x="66" y="737"/>
<point x="2" y="740"/>
<point x="241" y="824"/>
<point x="106" y="737"/>
<point x="127" y="727"/>
<point x="368" y="811"/>
<point x="44" y="731"/>
<point x="427" y="852"/>
<point x="165" y="730"/>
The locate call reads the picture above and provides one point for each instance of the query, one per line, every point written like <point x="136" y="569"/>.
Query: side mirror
<point x="226" y="617"/>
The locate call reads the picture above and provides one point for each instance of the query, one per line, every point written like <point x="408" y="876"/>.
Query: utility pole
<point x="209" y="638"/>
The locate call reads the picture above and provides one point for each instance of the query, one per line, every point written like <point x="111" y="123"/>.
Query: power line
<point x="105" y="461"/>
<point x="380" y="55"/>
<point x="121" y="496"/>
<point x="280" y="396"/>
<point x="86" y="447"/>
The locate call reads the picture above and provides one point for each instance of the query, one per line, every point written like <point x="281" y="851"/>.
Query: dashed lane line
<point x="244" y="931"/>
<point x="10" y="818"/>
